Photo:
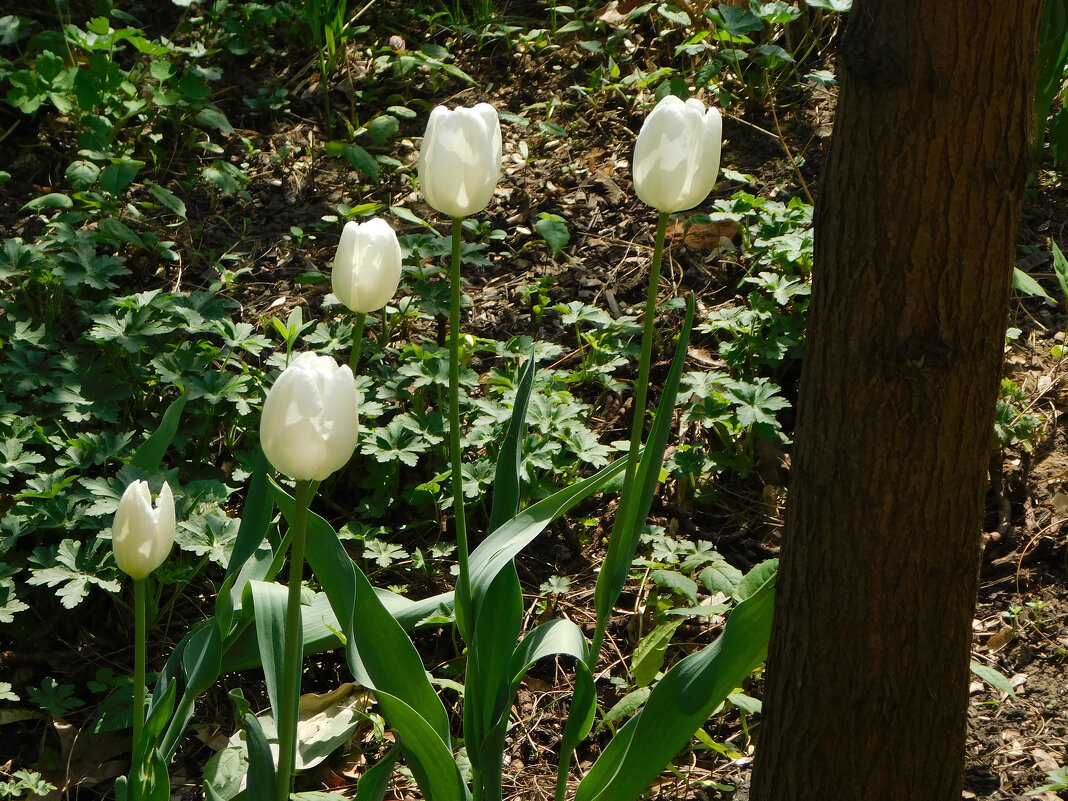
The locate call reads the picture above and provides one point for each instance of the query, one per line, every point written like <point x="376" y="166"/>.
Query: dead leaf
<point x="999" y="639"/>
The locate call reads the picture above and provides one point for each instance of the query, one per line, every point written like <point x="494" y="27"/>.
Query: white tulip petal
<point x="460" y="158"/>
<point x="308" y="426"/>
<point x="676" y="156"/>
<point x="142" y="535"/>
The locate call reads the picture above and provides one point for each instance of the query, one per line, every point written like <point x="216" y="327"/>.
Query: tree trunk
<point x="915" y="231"/>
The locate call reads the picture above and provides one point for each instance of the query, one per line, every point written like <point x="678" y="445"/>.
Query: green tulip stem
<point x="292" y="654"/>
<point x="140" y="613"/>
<point x="357" y="341"/>
<point x="637" y="427"/>
<point x="454" y="420"/>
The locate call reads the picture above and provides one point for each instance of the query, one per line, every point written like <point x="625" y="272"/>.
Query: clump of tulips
<point x="309" y="430"/>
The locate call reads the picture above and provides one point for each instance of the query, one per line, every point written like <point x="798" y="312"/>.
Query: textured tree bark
<point x="867" y="678"/>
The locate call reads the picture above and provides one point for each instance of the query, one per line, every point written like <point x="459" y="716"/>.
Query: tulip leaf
<point x="268" y="602"/>
<point x="680" y="703"/>
<point x="260" y="782"/>
<point x="374" y="782"/>
<point x="630" y="520"/>
<point x="500" y="547"/>
<point x="149" y="456"/>
<point x="506" y="480"/>
<point x="380" y="655"/>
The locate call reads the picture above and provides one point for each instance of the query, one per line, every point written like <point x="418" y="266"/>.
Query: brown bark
<point x="915" y="232"/>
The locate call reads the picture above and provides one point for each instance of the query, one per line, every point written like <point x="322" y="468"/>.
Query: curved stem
<point x="293" y="646"/>
<point x="357" y="341"/>
<point x="140" y="613"/>
<point x="464" y="601"/>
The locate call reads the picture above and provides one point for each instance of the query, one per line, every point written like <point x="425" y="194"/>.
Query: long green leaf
<point x="379" y="652"/>
<point x="623" y="541"/>
<point x="561" y="637"/>
<point x="260" y="782"/>
<point x="430" y="759"/>
<point x="506" y="478"/>
<point x="500" y="547"/>
<point x="680" y="703"/>
<point x="487" y="696"/>
<point x="375" y="780"/>
<point x="255" y="518"/>
<point x="268" y="601"/>
<point x="198" y="660"/>
<point x="150" y="454"/>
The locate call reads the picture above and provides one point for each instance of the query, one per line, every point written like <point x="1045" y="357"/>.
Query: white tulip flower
<point x="142" y="534"/>
<point x="676" y="157"/>
<point x="367" y="266"/>
<point x="460" y="159"/>
<point x="309" y="423"/>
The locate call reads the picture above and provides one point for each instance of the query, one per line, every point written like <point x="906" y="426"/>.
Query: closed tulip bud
<point x="367" y="266"/>
<point x="308" y="428"/>
<point x="460" y="159"/>
<point x="676" y="157"/>
<point x="142" y="534"/>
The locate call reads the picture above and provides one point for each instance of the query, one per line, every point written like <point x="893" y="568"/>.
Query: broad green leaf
<point x="993" y="677"/>
<point x="680" y="703"/>
<point x="118" y="175"/>
<point x="755" y="579"/>
<point x="167" y="198"/>
<point x="553" y="229"/>
<point x="53" y="200"/>
<point x="649" y="655"/>
<point x="380" y="654"/>
<point x="428" y="757"/>
<point x="1022" y="282"/>
<point x="268" y="602"/>
<point x="721" y="576"/>
<point x="82" y="174"/>
<point x="626" y="706"/>
<point x="676" y="582"/>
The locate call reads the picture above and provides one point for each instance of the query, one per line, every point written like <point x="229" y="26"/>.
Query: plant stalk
<point x="140" y="613"/>
<point x="464" y="599"/>
<point x="637" y="429"/>
<point x="292" y="654"/>
<point x="357" y="341"/>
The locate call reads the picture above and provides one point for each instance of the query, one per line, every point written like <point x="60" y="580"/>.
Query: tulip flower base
<point x="189" y="244"/>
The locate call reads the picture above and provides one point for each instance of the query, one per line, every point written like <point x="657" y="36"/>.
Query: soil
<point x="1021" y="623"/>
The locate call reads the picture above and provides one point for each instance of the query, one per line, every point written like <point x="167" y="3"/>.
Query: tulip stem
<point x="293" y="645"/>
<point x="140" y="613"/>
<point x="463" y="600"/>
<point x="357" y="341"/>
<point x="637" y="428"/>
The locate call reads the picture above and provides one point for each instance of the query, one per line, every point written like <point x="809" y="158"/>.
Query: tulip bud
<point x="308" y="427"/>
<point x="460" y="159"/>
<point x="142" y="535"/>
<point x="367" y="266"/>
<point x="676" y="157"/>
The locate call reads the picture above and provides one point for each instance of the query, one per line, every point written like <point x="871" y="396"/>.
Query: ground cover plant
<point x="182" y="183"/>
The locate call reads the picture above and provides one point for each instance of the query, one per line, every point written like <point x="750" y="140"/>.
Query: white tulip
<point x="367" y="266"/>
<point x="676" y="157"/>
<point x="309" y="424"/>
<point x="460" y="159"/>
<point x="142" y="535"/>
